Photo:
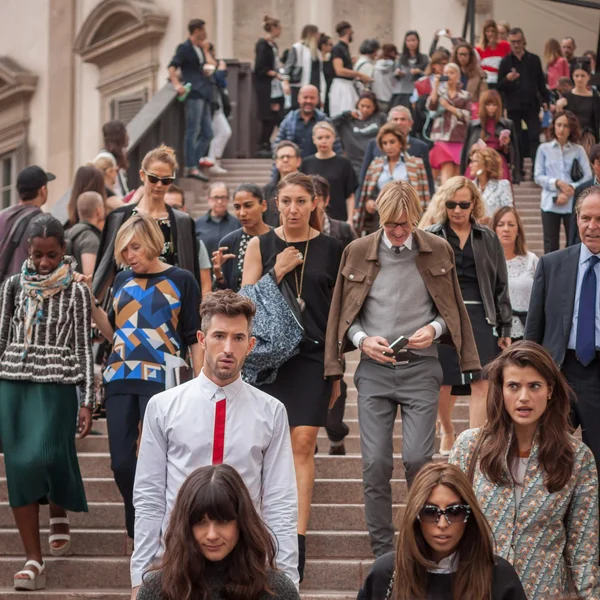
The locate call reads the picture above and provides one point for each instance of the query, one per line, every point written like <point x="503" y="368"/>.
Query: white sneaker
<point x="217" y="170"/>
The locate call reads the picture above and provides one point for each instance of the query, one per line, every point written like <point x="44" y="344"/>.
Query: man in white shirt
<point x="216" y="418"/>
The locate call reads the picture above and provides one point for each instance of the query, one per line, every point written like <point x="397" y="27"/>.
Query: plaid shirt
<point x="417" y="177"/>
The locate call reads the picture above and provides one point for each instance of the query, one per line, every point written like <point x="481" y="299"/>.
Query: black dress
<point x="300" y="383"/>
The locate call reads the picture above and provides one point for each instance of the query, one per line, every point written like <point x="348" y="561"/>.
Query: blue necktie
<point x="585" y="348"/>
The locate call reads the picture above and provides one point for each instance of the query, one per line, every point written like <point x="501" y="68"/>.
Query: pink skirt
<point x="445" y="152"/>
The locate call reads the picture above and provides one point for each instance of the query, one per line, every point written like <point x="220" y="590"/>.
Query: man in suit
<point x="595" y="162"/>
<point x="193" y="59"/>
<point x="418" y="148"/>
<point x="564" y="316"/>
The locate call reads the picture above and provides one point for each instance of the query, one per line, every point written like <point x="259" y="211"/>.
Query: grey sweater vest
<point x="398" y="302"/>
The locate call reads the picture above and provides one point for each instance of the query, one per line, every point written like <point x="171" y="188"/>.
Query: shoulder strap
<point x="388" y="594"/>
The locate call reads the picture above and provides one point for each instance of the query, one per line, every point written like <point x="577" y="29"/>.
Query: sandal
<point x="59" y="537"/>
<point x="36" y="581"/>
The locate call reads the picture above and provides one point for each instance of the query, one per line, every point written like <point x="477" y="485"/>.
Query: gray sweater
<point x="398" y="302"/>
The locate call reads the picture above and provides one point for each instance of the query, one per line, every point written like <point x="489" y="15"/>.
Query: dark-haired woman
<point x="554" y="173"/>
<point x="116" y="140"/>
<point x="445" y="547"/>
<point x="88" y="178"/>
<point x="309" y="262"/>
<point x="45" y="353"/>
<point x="410" y="66"/>
<point x="537" y="484"/>
<point x="472" y="75"/>
<point x="216" y="545"/>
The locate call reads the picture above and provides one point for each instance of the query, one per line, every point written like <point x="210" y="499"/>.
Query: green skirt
<point x="38" y="424"/>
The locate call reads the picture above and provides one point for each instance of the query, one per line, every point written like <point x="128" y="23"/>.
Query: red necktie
<point x="219" y="432"/>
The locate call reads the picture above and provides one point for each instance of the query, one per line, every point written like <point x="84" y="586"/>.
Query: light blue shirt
<point x="400" y="173"/>
<point x="584" y="256"/>
<point x="553" y="162"/>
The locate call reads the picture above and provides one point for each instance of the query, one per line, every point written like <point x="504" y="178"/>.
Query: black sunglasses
<point x="455" y="513"/>
<point x="163" y="180"/>
<point x="452" y="205"/>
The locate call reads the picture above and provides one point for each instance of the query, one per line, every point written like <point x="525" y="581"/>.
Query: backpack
<point x="10" y="244"/>
<point x="70" y="241"/>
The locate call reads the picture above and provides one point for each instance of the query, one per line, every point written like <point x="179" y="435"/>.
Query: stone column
<point x="224" y="27"/>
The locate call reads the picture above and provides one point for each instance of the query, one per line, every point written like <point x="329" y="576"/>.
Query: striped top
<point x="61" y="344"/>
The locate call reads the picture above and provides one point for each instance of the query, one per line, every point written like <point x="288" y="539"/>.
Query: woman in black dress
<point x="267" y="82"/>
<point x="309" y="262"/>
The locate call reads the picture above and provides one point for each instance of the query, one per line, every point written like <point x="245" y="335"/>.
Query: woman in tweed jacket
<point x="395" y="165"/>
<point x="45" y="352"/>
<point x="536" y="483"/>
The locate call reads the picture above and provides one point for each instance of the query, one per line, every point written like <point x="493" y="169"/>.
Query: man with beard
<point x="213" y="419"/>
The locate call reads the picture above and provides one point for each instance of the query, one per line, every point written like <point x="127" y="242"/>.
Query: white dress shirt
<point x="361" y="335"/>
<point x="180" y="434"/>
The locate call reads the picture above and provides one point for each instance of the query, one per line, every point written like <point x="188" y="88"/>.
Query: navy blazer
<point x="550" y="313"/>
<point x="187" y="61"/>
<point x="416" y="147"/>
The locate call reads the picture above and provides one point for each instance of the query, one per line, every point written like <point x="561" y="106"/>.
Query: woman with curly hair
<point x="445" y="547"/>
<point x="216" y="545"/>
<point x="537" y="484"/>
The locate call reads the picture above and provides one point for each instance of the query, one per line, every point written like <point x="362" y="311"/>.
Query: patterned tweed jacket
<point x="417" y="177"/>
<point x="550" y="539"/>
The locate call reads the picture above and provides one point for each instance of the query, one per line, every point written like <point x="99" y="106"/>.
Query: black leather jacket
<point x="492" y="275"/>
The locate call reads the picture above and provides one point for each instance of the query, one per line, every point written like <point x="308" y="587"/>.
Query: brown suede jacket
<point x="358" y="269"/>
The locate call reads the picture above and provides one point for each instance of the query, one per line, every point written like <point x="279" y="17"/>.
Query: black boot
<point x="301" y="555"/>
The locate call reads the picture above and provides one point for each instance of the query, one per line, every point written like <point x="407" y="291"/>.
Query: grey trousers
<point x="415" y="387"/>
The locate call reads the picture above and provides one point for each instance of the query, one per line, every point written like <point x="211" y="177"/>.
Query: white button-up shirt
<point x="179" y="436"/>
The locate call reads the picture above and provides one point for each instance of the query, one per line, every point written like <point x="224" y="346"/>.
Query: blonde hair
<point x="325" y="125"/>
<point x="163" y="154"/>
<point x="492" y="163"/>
<point x="397" y="197"/>
<point x="148" y="233"/>
<point x="447" y="192"/>
<point x="454" y="66"/>
<point x="105" y="161"/>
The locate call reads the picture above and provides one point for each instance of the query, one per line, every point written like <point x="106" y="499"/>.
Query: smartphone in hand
<point x="397" y="346"/>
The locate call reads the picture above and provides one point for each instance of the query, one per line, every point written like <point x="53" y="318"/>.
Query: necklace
<point x="301" y="302"/>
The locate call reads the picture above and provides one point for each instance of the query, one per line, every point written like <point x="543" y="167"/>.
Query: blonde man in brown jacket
<point x="398" y="281"/>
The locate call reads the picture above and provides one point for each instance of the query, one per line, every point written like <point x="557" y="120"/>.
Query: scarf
<point x="37" y="288"/>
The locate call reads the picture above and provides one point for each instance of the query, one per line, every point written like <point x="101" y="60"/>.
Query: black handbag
<point x="295" y="75"/>
<point x="225" y="101"/>
<point x="576" y="171"/>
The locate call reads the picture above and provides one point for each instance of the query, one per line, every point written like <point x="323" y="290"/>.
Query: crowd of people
<point x="224" y="338"/>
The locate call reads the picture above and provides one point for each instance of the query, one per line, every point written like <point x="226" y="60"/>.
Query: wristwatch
<point x="360" y="344"/>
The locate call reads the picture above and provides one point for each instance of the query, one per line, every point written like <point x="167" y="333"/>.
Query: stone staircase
<point x="338" y="551"/>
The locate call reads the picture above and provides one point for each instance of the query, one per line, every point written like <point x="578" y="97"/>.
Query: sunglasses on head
<point x="156" y="179"/>
<point x="455" y="513"/>
<point x="452" y="205"/>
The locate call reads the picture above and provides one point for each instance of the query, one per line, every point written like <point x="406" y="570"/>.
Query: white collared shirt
<point x="446" y="565"/>
<point x="180" y="434"/>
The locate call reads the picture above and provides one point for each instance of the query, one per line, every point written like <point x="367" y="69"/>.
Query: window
<point x="8" y="179"/>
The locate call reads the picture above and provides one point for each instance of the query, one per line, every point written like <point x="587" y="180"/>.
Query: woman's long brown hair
<point x="305" y="182"/>
<point x="219" y="493"/>
<point x="556" y="452"/>
<point x="473" y="577"/>
<point x="488" y="97"/>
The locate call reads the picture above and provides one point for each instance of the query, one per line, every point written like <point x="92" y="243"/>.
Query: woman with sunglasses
<point x="537" y="484"/>
<point x="181" y="245"/>
<point x="483" y="279"/>
<point x="445" y="547"/>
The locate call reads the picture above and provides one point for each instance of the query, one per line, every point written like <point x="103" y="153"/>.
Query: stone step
<point x="125" y="594"/>
<point x="343" y="517"/>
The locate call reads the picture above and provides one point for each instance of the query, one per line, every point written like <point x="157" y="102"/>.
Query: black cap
<point x="31" y="179"/>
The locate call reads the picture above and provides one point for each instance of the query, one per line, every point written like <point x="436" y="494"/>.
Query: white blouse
<point x="496" y="194"/>
<point x="521" y="271"/>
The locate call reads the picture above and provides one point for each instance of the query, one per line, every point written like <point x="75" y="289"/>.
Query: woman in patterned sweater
<point x="536" y="483"/>
<point x="45" y="352"/>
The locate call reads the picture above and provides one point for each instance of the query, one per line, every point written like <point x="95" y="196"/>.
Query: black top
<point x="315" y="73"/>
<point x="271" y="215"/>
<point x="168" y="252"/>
<point x="341" y="177"/>
<point x="320" y="273"/>
<point x="506" y="584"/>
<point x="341" y="50"/>
<point x="525" y="92"/>
<point x="465" y="266"/>
<point x="587" y="111"/>
<point x="187" y="60"/>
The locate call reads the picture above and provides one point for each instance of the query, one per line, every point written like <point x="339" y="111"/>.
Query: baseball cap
<point x="32" y="178"/>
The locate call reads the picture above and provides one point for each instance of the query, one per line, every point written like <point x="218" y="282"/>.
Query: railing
<point x="162" y="121"/>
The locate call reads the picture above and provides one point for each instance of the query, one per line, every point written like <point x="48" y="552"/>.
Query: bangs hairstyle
<point x="520" y="242"/>
<point x="491" y="161"/>
<point x="473" y="578"/>
<point x="489" y="97"/>
<point x="397" y="197"/>
<point x="448" y="190"/>
<point x="472" y="67"/>
<point x="163" y="154"/>
<point x="575" y="133"/>
<point x="148" y="233"/>
<point x="306" y="183"/>
<point x="228" y="303"/>
<point x="556" y="453"/>
<point x="324" y="125"/>
<point x="391" y="127"/>
<point x="483" y="43"/>
<point x="219" y="493"/>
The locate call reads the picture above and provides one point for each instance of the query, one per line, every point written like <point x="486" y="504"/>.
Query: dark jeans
<point x="198" y="130"/>
<point x="336" y="429"/>
<point x="551" y="227"/>
<point x="528" y="140"/>
<point x="124" y="413"/>
<point x="585" y="408"/>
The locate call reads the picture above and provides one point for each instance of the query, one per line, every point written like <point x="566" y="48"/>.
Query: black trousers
<point x="124" y="413"/>
<point x="528" y="140"/>
<point x="551" y="227"/>
<point x="585" y="408"/>
<point x="336" y="429"/>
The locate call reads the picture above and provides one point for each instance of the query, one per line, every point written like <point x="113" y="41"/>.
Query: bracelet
<point x="361" y="343"/>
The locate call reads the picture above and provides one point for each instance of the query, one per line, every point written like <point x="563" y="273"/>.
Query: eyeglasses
<point x="285" y="157"/>
<point x="455" y="513"/>
<point x="156" y="179"/>
<point x="450" y="204"/>
<point x="394" y="225"/>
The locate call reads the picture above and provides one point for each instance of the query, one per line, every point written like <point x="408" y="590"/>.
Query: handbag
<point x="295" y="75"/>
<point x="576" y="171"/>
